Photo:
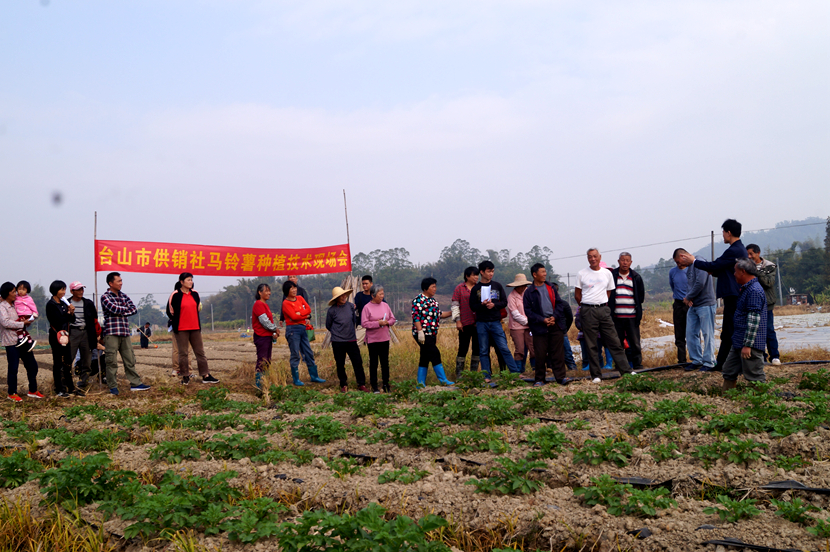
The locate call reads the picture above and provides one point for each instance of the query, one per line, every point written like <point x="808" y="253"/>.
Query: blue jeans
<point x="570" y="363"/>
<point x="701" y="320"/>
<point x="772" y="339"/>
<point x="488" y="331"/>
<point x="298" y="344"/>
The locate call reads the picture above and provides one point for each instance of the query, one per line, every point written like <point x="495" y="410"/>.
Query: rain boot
<point x="442" y="377"/>
<point x="258" y="380"/>
<point x="474" y="363"/>
<point x="422" y="377"/>
<point x="521" y="366"/>
<point x="459" y="366"/>
<point x="533" y="363"/>
<point x="295" y="375"/>
<point x="312" y="372"/>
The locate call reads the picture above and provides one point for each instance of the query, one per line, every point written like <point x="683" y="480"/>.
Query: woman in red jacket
<point x="297" y="312"/>
<point x="183" y="309"/>
<point x="265" y="331"/>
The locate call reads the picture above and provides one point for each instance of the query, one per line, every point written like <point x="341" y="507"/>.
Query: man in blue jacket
<point x="723" y="268"/>
<point x="546" y="318"/>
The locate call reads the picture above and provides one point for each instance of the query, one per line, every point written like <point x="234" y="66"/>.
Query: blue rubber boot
<point x="442" y="377"/>
<point x="422" y="377"/>
<point x="258" y="380"/>
<point x="295" y="375"/>
<point x="312" y="372"/>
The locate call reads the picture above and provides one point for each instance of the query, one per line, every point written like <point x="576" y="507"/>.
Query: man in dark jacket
<point x="487" y="299"/>
<point x="626" y="304"/>
<point x="82" y="334"/>
<point x="545" y="313"/>
<point x="723" y="268"/>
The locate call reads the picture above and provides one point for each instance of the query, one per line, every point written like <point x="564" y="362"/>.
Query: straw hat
<point x="519" y="281"/>
<point x="337" y="292"/>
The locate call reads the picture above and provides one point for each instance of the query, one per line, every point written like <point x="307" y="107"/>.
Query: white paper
<point x="32" y="317"/>
<point x="384" y="317"/>
<point x="65" y="300"/>
<point x="485" y="293"/>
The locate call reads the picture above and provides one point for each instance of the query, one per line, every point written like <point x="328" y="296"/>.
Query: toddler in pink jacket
<point x="25" y="307"/>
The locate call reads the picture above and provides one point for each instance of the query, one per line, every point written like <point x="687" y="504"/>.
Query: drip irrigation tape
<point x="645" y="483"/>
<point x="790" y="485"/>
<point x="640" y="533"/>
<point x="728" y="541"/>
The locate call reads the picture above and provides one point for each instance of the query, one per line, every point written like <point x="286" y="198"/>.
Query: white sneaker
<point x="596" y="380"/>
<point x="776" y="362"/>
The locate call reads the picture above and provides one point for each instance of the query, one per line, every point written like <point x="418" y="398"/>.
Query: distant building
<point x="797" y="299"/>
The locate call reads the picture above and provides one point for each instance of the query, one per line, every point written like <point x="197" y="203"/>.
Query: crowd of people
<point x="609" y="314"/>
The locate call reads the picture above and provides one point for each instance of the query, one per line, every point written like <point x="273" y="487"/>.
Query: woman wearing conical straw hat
<point x="341" y="321"/>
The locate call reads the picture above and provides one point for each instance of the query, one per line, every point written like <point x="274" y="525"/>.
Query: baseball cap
<point x="76" y="285"/>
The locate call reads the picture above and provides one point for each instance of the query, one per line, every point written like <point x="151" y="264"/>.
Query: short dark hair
<point x="486" y="265"/>
<point x="367" y="278"/>
<point x="111" y="277"/>
<point x="260" y="288"/>
<point x="677" y="252"/>
<point x="56" y="286"/>
<point x="469" y="271"/>
<point x="535" y="268"/>
<point x="286" y="287"/>
<point x="426" y="282"/>
<point x="6" y="289"/>
<point x="184" y="276"/>
<point x="754" y="248"/>
<point x="24" y="284"/>
<point x="732" y="226"/>
<point x="146" y="323"/>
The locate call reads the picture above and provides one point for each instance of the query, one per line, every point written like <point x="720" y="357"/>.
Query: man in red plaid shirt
<point x="117" y="307"/>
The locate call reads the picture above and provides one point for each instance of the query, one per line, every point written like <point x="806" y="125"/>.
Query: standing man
<point x="626" y="306"/>
<point x="487" y="299"/>
<point x="677" y="282"/>
<point x="300" y="293"/>
<point x="766" y="277"/>
<point x="594" y="286"/>
<point x="750" y="336"/>
<point x="700" y="318"/>
<point x="117" y="307"/>
<point x="465" y="321"/>
<point x="82" y="334"/>
<point x="723" y="268"/>
<point x="144" y="338"/>
<point x="545" y="313"/>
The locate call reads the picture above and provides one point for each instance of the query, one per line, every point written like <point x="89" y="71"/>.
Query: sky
<point x="508" y="124"/>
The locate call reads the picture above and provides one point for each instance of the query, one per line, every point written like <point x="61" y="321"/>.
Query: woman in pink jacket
<point x="377" y="318"/>
<point x="517" y="321"/>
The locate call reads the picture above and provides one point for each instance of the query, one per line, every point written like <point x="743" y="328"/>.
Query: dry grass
<point x="805" y="353"/>
<point x="20" y="530"/>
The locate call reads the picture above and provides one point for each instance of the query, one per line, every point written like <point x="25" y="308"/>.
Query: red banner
<point x="210" y="260"/>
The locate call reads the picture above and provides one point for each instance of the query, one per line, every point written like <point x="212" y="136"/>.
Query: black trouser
<point x="378" y="352"/>
<point x="340" y="350"/>
<point x="61" y="365"/>
<point x="79" y="341"/>
<point x="14" y="355"/>
<point x="429" y="351"/>
<point x="465" y="335"/>
<point x="629" y="328"/>
<point x="549" y="349"/>
<point x="730" y="305"/>
<point x="679" y="312"/>
<point x="597" y="320"/>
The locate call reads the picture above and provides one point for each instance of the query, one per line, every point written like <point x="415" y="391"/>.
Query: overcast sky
<point x="508" y="124"/>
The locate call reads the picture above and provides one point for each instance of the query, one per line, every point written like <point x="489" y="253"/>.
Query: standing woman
<point x="9" y="324"/>
<point x="297" y="312"/>
<point x="426" y="317"/>
<point x="517" y="321"/>
<point x="183" y="309"/>
<point x="59" y="314"/>
<point x="377" y="318"/>
<point x="465" y="321"/>
<point x="341" y="321"/>
<point x="265" y="331"/>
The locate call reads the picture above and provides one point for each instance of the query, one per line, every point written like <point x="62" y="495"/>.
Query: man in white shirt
<point x="594" y="286"/>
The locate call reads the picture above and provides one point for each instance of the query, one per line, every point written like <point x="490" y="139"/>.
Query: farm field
<point x="500" y="468"/>
<point x="223" y="468"/>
